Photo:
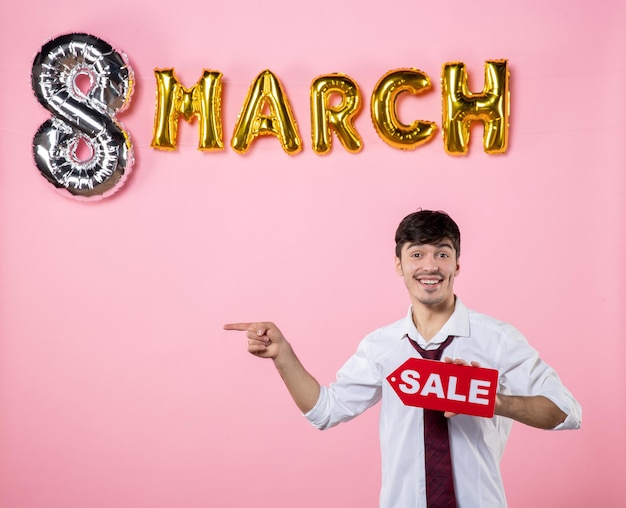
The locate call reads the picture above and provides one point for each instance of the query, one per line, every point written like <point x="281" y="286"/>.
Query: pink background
<point x="118" y="386"/>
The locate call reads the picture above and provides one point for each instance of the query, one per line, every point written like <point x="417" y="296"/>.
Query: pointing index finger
<point x="241" y="327"/>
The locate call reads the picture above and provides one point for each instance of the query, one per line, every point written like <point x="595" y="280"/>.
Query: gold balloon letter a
<point x="385" y="114"/>
<point x="324" y="115"/>
<point x="203" y="101"/>
<point x="266" y="94"/>
<point x="460" y="107"/>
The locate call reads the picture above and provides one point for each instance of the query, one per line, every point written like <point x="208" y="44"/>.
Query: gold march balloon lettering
<point x="335" y="101"/>
<point x="84" y="82"/>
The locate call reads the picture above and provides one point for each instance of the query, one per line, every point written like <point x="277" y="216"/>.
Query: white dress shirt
<point x="476" y="443"/>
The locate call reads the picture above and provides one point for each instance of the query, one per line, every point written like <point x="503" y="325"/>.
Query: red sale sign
<point x="446" y="386"/>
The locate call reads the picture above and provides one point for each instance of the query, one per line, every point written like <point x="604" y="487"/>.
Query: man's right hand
<point x="264" y="339"/>
<point x="267" y="341"/>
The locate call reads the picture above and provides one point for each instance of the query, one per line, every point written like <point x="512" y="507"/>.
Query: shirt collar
<point x="458" y="325"/>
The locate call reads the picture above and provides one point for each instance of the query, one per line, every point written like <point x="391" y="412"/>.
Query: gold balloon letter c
<point x="385" y="114"/>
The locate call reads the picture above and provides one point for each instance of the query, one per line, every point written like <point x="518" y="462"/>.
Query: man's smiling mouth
<point x="430" y="282"/>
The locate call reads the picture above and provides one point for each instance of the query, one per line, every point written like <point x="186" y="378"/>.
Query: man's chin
<point x="431" y="302"/>
<point x="435" y="300"/>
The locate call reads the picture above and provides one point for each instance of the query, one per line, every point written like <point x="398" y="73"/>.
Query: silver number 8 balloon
<point x="86" y="116"/>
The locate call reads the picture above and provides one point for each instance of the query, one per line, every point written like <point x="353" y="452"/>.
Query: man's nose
<point x="430" y="264"/>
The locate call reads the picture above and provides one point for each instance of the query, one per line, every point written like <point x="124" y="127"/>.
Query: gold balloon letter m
<point x="202" y="100"/>
<point x="461" y="107"/>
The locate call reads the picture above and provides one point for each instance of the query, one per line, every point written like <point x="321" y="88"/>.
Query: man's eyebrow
<point x="443" y="243"/>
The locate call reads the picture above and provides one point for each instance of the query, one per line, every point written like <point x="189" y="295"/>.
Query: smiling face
<point x="429" y="271"/>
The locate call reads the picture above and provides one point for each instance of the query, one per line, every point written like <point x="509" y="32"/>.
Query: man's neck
<point x="429" y="319"/>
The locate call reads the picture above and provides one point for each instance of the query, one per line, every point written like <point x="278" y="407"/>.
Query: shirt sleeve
<point x="524" y="373"/>
<point x="357" y="388"/>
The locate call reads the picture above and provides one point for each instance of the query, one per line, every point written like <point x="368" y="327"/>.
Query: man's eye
<point x="443" y="255"/>
<point x="416" y="254"/>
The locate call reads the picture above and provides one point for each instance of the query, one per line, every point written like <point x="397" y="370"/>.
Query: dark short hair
<point x="427" y="227"/>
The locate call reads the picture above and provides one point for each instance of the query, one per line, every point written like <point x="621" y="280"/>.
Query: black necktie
<point x="439" y="483"/>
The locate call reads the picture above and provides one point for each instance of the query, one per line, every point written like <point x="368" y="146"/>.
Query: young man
<point x="529" y="391"/>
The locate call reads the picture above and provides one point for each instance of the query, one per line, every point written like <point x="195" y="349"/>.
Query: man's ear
<point x="399" y="267"/>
